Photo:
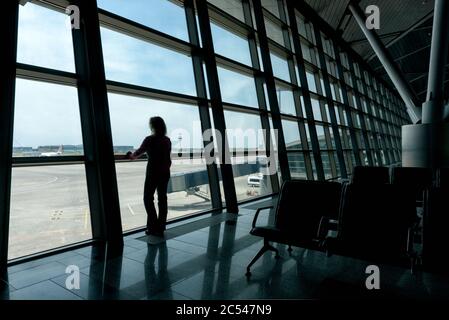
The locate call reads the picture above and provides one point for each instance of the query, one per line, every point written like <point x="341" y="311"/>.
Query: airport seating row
<point x="373" y="217"/>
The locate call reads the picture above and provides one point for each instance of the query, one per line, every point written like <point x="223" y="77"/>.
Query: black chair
<point x="375" y="224"/>
<point x="415" y="180"/>
<point x="300" y="207"/>
<point x="435" y="242"/>
<point x="370" y="175"/>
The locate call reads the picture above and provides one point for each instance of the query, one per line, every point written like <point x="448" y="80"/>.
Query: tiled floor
<point x="209" y="263"/>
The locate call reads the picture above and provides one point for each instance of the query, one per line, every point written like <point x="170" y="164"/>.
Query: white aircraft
<point x="53" y="154"/>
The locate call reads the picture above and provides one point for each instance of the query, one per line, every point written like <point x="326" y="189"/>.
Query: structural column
<point x="362" y="119"/>
<point x="259" y="81"/>
<point x="433" y="109"/>
<point x="427" y="145"/>
<point x="271" y="88"/>
<point x="8" y="34"/>
<point x="390" y="66"/>
<point x="203" y="105"/>
<point x="347" y="110"/>
<point x="96" y="127"/>
<point x="217" y="106"/>
<point x="305" y="91"/>
<point x="330" y="105"/>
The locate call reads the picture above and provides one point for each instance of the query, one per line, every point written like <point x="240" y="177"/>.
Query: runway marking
<point x="130" y="209"/>
<point x="34" y="186"/>
<point x="86" y="216"/>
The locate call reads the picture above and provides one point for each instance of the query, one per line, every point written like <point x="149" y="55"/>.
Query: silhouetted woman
<point x="157" y="146"/>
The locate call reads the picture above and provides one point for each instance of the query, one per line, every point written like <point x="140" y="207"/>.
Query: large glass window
<point x="297" y="165"/>
<point x="49" y="208"/>
<point x="141" y="63"/>
<point x="244" y="135"/>
<point x="45" y="38"/>
<point x="49" y="204"/>
<point x="280" y="67"/>
<point x="49" y="199"/>
<point x="189" y="184"/>
<point x="286" y="100"/>
<point x="321" y="137"/>
<point x="237" y="88"/>
<point x="272" y="6"/>
<point x="291" y="135"/>
<point x="311" y="81"/>
<point x="232" y="7"/>
<point x="274" y="32"/>
<point x="316" y="110"/>
<point x="163" y="15"/>
<point x="230" y="45"/>
<point x="46" y="120"/>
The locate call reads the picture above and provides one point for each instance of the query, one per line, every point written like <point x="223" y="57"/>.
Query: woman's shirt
<point x="158" y="150"/>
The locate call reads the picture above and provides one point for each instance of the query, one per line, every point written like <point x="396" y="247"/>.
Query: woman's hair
<point x="157" y="126"/>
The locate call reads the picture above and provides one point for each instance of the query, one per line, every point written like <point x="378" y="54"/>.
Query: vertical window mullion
<point x="8" y="30"/>
<point x="203" y="105"/>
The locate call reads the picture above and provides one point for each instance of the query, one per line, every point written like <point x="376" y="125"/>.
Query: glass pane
<point x="244" y="133"/>
<point x="286" y="101"/>
<point x="321" y="137"/>
<point x="306" y="51"/>
<point x="49" y="208"/>
<point x="152" y="13"/>
<point x="297" y="165"/>
<point x="316" y="110"/>
<point x="280" y="68"/>
<point x="311" y="81"/>
<point x="45" y="38"/>
<point x="274" y="32"/>
<point x="249" y="179"/>
<point x="314" y="170"/>
<point x="272" y="6"/>
<point x="46" y="120"/>
<point x="326" y="165"/>
<point x="301" y="25"/>
<point x="232" y="7"/>
<point x="189" y="184"/>
<point x="141" y="63"/>
<point x="230" y="45"/>
<point x="291" y="135"/>
<point x="237" y="88"/>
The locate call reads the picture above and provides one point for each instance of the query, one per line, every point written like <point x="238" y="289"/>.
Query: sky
<point x="47" y="114"/>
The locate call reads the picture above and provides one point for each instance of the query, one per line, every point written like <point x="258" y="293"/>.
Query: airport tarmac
<point x="50" y="207"/>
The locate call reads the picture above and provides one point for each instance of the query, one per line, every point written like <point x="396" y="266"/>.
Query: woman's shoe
<point x="156" y="233"/>
<point x="150" y="232"/>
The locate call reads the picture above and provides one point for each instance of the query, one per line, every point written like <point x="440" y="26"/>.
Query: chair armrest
<point x="410" y="241"/>
<point x="257" y="214"/>
<point x="324" y="228"/>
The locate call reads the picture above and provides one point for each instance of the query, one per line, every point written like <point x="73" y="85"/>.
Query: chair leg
<point x="258" y="255"/>
<point x="266" y="247"/>
<point x="271" y="248"/>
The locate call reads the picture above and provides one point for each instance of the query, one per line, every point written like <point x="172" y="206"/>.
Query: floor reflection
<point x="156" y="277"/>
<point x="208" y="262"/>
